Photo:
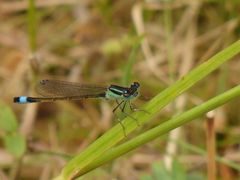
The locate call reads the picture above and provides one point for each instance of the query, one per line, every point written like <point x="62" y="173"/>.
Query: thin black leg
<point x="123" y="108"/>
<point x="118" y="119"/>
<point x="124" y="105"/>
<point x="124" y="130"/>
<point x="118" y="105"/>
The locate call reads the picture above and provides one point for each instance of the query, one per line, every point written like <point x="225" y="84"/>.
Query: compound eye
<point x="135" y="84"/>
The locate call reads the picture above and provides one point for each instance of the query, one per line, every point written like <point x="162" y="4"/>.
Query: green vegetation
<point x="185" y="55"/>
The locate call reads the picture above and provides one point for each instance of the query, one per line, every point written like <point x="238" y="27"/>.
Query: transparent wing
<point x="55" y="88"/>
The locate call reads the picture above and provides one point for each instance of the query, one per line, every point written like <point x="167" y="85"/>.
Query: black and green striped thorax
<point x="119" y="92"/>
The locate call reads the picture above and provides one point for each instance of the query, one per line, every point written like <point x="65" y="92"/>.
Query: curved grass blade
<point x="114" y="135"/>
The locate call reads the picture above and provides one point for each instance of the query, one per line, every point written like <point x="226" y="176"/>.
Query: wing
<point x="55" y="88"/>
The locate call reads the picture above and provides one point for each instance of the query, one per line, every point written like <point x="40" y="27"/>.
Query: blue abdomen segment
<point x="23" y="100"/>
<point x="20" y="99"/>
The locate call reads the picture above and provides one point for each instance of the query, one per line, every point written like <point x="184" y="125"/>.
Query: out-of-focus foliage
<point x="14" y="142"/>
<point x="94" y="42"/>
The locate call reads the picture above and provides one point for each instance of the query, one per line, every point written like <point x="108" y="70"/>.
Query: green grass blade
<point x="127" y="76"/>
<point x="32" y="25"/>
<point x="164" y="128"/>
<point x="114" y="135"/>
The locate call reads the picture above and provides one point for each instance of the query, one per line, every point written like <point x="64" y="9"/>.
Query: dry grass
<point x="90" y="42"/>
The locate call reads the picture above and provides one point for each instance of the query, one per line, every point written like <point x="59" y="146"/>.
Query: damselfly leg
<point x="127" y="114"/>
<point x="118" y="119"/>
<point x="122" y="105"/>
<point x="118" y="104"/>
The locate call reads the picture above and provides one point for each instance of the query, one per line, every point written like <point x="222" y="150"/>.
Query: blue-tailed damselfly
<point x="52" y="90"/>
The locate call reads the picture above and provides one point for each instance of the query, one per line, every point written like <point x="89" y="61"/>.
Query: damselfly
<point x="53" y="90"/>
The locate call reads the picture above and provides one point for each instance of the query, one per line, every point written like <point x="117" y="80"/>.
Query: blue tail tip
<point x="20" y="99"/>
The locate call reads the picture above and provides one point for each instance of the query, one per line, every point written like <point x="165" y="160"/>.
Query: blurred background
<point x="97" y="42"/>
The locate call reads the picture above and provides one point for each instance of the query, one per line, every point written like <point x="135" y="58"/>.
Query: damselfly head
<point x="133" y="89"/>
<point x="135" y="85"/>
